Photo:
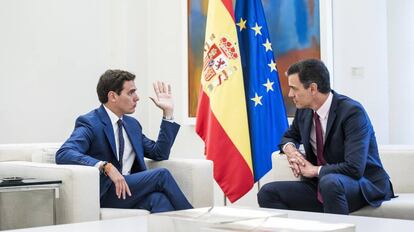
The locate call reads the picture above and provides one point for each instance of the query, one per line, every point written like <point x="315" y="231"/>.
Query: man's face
<point x="126" y="101"/>
<point x="301" y="97"/>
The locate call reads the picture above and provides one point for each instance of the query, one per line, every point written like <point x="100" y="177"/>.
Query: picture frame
<point x="194" y="39"/>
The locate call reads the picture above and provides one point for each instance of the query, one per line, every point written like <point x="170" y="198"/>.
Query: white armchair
<point x="79" y="192"/>
<point x="397" y="161"/>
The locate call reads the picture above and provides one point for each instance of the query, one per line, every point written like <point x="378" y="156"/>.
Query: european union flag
<point x="266" y="110"/>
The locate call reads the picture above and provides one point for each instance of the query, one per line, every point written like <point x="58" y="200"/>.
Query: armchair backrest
<point x="32" y="152"/>
<point x="398" y="161"/>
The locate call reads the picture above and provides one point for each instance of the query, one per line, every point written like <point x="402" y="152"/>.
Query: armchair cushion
<point x="45" y="154"/>
<point x="401" y="207"/>
<point x="194" y="176"/>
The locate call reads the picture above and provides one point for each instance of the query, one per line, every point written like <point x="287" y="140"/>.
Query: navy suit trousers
<point x="154" y="190"/>
<point x="341" y="195"/>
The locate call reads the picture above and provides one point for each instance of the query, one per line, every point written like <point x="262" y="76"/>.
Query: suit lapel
<point x="307" y="124"/>
<point x="133" y="136"/>
<point x="331" y="117"/>
<point x="108" y="129"/>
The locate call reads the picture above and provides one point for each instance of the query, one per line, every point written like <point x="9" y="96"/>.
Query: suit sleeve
<point x="160" y="149"/>
<point x="73" y="151"/>
<point x="357" y="131"/>
<point x="292" y="135"/>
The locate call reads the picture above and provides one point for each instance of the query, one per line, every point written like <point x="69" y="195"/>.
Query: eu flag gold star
<point x="257" y="29"/>
<point x="242" y="24"/>
<point x="272" y="66"/>
<point x="267" y="45"/>
<point x="268" y="85"/>
<point x="257" y="100"/>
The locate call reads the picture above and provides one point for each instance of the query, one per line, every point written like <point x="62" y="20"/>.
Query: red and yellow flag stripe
<point x="222" y="116"/>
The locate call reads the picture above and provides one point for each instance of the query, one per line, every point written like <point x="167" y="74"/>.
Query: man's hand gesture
<point x="121" y="186"/>
<point x="295" y="159"/>
<point x="163" y="98"/>
<point x="299" y="165"/>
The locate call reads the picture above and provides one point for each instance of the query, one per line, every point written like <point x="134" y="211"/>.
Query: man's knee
<point x="331" y="183"/>
<point x="157" y="196"/>
<point x="162" y="172"/>
<point x="159" y="202"/>
<point x="264" y="195"/>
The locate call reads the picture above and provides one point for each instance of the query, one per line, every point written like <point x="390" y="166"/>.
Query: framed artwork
<point x="295" y="31"/>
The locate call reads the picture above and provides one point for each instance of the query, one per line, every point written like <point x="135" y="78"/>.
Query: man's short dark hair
<point x="312" y="71"/>
<point x="112" y="80"/>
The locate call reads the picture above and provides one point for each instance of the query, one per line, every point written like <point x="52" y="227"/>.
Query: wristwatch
<point x="168" y="119"/>
<point x="104" y="163"/>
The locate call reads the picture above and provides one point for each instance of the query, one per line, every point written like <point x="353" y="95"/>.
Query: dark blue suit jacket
<point x="93" y="140"/>
<point x="350" y="146"/>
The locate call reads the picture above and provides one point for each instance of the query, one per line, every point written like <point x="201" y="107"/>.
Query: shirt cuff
<point x="168" y="119"/>
<point x="288" y="143"/>
<point x="98" y="164"/>
<point x="319" y="169"/>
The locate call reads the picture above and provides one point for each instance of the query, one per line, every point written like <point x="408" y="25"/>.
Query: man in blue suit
<point x="113" y="142"/>
<point x="341" y="170"/>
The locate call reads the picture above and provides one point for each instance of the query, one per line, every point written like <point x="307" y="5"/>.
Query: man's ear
<point x="112" y="96"/>
<point x="314" y="88"/>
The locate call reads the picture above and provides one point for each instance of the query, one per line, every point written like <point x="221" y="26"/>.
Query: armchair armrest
<point x="280" y="170"/>
<point x="194" y="176"/>
<point x="79" y="192"/>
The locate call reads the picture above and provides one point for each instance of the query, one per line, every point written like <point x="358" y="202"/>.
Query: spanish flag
<point x="222" y="115"/>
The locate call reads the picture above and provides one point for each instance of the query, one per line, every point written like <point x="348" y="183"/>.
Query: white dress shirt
<point x="129" y="154"/>
<point x="323" y="113"/>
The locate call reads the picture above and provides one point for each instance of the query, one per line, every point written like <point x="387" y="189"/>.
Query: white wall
<point x="401" y="78"/>
<point x="167" y="60"/>
<point x="52" y="52"/>
<point x="51" y="55"/>
<point x="360" y="58"/>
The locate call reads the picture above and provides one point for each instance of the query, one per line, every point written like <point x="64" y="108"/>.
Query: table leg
<point x="56" y="196"/>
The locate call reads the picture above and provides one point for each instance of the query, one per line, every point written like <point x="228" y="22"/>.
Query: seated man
<point x="341" y="171"/>
<point x="113" y="142"/>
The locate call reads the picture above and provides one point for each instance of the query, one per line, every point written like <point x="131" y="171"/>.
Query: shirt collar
<point x="323" y="111"/>
<point x="112" y="116"/>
